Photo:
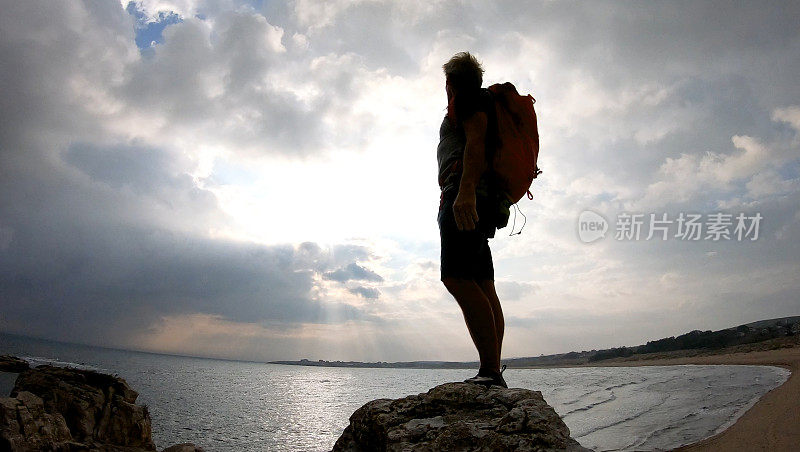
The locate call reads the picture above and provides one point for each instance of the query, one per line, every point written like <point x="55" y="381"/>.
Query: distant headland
<point x="760" y="335"/>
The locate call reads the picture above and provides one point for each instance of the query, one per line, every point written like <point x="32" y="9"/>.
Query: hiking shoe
<point x="489" y="379"/>
<point x="480" y="380"/>
<point x="499" y="380"/>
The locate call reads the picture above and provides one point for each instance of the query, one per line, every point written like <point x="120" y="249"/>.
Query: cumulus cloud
<point x="514" y="290"/>
<point x="789" y="115"/>
<point x="753" y="165"/>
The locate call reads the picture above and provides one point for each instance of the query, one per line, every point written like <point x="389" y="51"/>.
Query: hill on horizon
<point x="758" y="331"/>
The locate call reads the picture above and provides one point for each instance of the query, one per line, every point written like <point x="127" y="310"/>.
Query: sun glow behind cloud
<point x="350" y="195"/>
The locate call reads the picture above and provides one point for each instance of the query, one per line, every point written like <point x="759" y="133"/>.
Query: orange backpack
<point x="517" y="152"/>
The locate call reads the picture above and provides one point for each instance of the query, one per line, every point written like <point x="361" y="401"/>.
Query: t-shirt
<point x="452" y="138"/>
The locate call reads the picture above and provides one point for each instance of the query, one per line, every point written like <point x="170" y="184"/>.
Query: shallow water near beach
<point x="245" y="406"/>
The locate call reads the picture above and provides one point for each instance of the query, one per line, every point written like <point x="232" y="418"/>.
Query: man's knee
<point x="452" y="285"/>
<point x="487" y="286"/>
<point x="460" y="286"/>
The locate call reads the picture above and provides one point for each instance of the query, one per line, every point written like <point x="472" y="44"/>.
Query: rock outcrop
<point x="10" y="363"/>
<point x="458" y="416"/>
<point x="66" y="409"/>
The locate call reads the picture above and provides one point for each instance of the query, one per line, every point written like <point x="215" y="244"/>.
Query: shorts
<point x="465" y="254"/>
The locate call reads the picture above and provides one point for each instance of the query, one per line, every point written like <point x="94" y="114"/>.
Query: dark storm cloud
<point x="140" y="169"/>
<point x="102" y="235"/>
<point x="353" y="271"/>
<point x="88" y="262"/>
<point x="129" y="276"/>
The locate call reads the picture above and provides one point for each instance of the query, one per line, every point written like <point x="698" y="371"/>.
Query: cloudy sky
<point x="257" y="180"/>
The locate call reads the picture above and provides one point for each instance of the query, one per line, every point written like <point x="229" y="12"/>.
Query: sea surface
<point x="246" y="406"/>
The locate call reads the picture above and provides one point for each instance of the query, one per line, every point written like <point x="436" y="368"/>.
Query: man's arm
<point x="464" y="207"/>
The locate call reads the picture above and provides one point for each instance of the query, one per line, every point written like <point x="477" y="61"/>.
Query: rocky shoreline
<point x="64" y="409"/>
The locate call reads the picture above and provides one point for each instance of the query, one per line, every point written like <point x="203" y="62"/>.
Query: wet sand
<point x="772" y="424"/>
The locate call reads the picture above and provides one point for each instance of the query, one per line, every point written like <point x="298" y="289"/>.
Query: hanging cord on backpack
<point x="514" y="223"/>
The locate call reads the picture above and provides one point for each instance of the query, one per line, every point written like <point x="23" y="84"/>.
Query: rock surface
<point x="66" y="409"/>
<point x="183" y="447"/>
<point x="458" y="416"/>
<point x="10" y="363"/>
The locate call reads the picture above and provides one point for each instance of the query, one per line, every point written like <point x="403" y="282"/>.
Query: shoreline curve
<point x="769" y="424"/>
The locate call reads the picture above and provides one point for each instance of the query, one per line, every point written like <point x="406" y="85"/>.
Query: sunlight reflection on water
<point x="249" y="406"/>
<point x="241" y="406"/>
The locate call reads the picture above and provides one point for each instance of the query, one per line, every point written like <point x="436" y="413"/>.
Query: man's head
<point x="463" y="72"/>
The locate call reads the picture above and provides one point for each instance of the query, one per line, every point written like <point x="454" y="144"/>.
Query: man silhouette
<point x="467" y="210"/>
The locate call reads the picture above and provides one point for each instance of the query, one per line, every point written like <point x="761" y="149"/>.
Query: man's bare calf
<point x="483" y="316"/>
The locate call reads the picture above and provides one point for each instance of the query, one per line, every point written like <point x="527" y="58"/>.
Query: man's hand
<point x="465" y="211"/>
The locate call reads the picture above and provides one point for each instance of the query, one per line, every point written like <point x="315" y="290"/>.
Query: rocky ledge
<point x="68" y="410"/>
<point x="10" y="363"/>
<point x="458" y="416"/>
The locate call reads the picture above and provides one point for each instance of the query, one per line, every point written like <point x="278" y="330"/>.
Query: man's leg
<point x="480" y="319"/>
<point x="487" y="286"/>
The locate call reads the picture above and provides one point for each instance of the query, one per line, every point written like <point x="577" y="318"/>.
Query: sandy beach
<point x="771" y="424"/>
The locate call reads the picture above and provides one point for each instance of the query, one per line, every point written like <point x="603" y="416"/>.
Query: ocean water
<point x="244" y="406"/>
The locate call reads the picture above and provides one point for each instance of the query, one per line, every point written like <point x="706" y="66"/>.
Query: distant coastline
<point x="761" y="335"/>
